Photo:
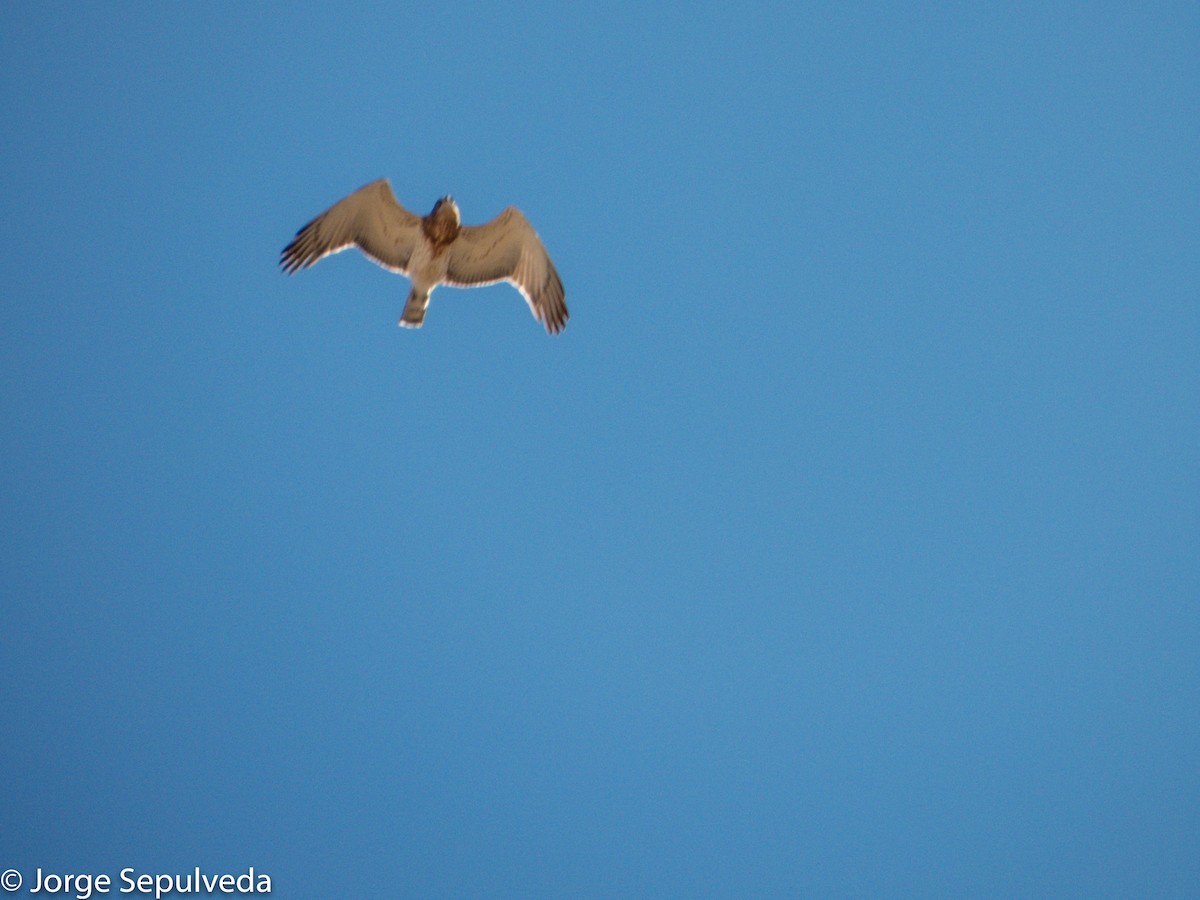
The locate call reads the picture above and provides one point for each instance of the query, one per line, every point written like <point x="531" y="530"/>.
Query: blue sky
<point x="844" y="544"/>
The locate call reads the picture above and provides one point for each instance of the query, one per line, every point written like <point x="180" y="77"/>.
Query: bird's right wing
<point x="370" y="218"/>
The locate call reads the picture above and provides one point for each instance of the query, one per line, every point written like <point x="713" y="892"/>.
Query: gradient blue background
<point x="844" y="544"/>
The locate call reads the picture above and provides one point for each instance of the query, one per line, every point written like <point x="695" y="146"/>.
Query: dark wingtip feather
<point x="298" y="254"/>
<point x="554" y="304"/>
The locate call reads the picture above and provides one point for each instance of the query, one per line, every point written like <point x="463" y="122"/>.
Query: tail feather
<point x="414" y="309"/>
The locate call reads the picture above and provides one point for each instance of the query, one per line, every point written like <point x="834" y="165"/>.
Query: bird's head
<point x="451" y="208"/>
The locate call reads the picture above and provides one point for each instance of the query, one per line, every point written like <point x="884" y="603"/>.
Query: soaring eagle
<point x="436" y="249"/>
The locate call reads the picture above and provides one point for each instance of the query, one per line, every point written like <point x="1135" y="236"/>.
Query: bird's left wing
<point x="508" y="249"/>
<point x="370" y="218"/>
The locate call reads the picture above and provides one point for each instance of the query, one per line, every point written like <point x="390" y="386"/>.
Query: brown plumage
<point x="436" y="249"/>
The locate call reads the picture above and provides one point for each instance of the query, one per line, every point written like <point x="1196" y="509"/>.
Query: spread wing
<point x="370" y="219"/>
<point x="508" y="249"/>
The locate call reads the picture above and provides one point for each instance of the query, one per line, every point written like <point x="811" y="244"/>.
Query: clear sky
<point x="846" y="542"/>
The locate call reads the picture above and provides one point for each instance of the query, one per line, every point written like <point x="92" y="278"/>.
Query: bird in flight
<point x="436" y="249"/>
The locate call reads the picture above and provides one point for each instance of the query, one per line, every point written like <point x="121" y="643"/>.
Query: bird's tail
<point x="414" y="309"/>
